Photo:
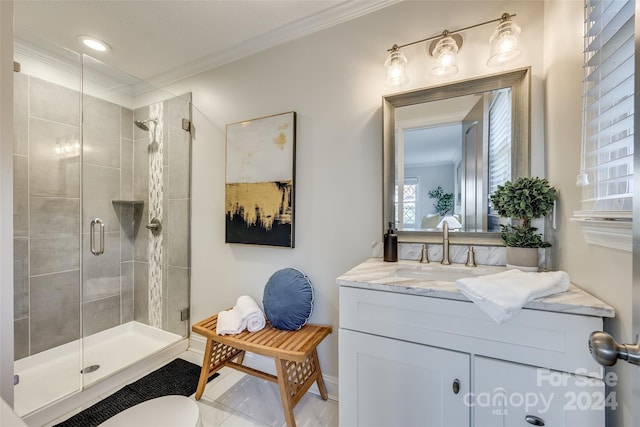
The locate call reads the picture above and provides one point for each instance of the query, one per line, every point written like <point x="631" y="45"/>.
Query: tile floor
<point x="235" y="399"/>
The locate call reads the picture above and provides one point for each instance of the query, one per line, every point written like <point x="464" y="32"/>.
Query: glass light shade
<point x="504" y="43"/>
<point x="445" y="54"/>
<point x="395" y="66"/>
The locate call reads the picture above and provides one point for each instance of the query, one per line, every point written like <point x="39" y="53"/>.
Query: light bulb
<point x="507" y="43"/>
<point x="448" y="59"/>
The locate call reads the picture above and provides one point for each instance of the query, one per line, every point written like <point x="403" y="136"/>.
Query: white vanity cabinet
<point x="414" y="360"/>
<point x="512" y="394"/>
<point x="397" y="383"/>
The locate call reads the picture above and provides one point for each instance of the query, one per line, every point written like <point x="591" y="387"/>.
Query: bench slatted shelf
<point x="294" y="353"/>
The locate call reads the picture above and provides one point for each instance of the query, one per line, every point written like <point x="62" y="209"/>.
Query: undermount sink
<point x="441" y="273"/>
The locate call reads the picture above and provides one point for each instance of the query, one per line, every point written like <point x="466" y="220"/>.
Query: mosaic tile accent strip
<point x="156" y="194"/>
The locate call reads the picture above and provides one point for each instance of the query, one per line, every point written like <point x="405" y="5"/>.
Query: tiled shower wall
<point x="107" y="169"/>
<point x="50" y="220"/>
<point x="46" y="216"/>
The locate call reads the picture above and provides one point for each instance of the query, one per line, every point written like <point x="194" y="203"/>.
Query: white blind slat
<point x="611" y="46"/>
<point x="613" y="18"/>
<point x="602" y="13"/>
<point x="607" y="76"/>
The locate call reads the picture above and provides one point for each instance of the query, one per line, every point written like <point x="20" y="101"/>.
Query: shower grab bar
<point x="92" y="237"/>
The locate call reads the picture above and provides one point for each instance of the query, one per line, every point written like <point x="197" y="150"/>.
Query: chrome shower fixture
<point x="144" y="124"/>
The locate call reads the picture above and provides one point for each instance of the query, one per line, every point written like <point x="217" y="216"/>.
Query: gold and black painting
<point x="260" y="172"/>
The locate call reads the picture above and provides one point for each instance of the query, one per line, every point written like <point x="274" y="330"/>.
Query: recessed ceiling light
<point x="94" y="44"/>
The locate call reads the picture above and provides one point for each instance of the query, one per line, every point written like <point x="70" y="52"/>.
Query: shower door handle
<point x="92" y="236"/>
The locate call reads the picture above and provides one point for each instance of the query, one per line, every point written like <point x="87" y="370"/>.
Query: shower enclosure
<point x="101" y="222"/>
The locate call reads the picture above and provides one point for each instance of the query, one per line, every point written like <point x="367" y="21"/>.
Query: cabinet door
<point x="512" y="395"/>
<point x="387" y="382"/>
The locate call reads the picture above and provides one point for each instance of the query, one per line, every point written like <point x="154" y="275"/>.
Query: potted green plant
<point x="444" y="201"/>
<point x="525" y="199"/>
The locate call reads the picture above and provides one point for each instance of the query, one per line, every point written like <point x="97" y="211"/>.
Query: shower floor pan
<point x="53" y="374"/>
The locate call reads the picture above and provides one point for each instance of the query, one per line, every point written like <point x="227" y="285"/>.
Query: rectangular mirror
<point x="447" y="148"/>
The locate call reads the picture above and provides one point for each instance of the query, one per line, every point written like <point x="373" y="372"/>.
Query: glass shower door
<point x="97" y="287"/>
<point x="107" y="283"/>
<point x="47" y="257"/>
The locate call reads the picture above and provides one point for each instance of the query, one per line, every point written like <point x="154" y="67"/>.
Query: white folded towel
<point x="502" y="295"/>
<point x="244" y="315"/>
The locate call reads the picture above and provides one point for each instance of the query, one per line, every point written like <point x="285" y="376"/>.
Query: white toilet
<point x="165" y="411"/>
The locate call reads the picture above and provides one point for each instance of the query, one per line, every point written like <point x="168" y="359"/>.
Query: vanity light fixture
<point x="395" y="66"/>
<point x="94" y="44"/>
<point x="445" y="46"/>
<point x="504" y="42"/>
<point x="445" y="53"/>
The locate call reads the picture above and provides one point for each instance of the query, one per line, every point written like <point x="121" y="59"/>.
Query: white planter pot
<point x="525" y="259"/>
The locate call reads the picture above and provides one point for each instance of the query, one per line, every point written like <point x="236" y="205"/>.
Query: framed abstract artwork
<point x="259" y="183"/>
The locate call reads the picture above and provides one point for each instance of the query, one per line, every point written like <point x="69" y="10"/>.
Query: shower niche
<point x="99" y="285"/>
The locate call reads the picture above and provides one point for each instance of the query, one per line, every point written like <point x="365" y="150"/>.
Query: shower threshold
<point x="53" y="374"/>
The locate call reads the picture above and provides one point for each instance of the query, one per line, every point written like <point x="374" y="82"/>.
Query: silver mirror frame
<point x="519" y="81"/>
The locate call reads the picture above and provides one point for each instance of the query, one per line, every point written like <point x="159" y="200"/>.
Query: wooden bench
<point x="294" y="352"/>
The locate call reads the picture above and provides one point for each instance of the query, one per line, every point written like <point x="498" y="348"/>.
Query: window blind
<point x="499" y="140"/>
<point x="608" y="108"/>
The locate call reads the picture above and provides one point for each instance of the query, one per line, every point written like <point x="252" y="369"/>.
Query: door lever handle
<point x="606" y="350"/>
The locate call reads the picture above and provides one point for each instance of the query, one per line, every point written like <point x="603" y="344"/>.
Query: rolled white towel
<point x="244" y="315"/>
<point x="229" y="323"/>
<point x="250" y="314"/>
<point x="502" y="295"/>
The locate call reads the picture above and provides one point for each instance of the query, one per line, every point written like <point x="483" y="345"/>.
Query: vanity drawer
<point x="539" y="338"/>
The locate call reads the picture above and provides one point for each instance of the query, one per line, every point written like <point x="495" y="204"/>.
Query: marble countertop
<point x="404" y="277"/>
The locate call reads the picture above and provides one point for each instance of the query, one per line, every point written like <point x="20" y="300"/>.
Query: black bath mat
<point x="177" y="377"/>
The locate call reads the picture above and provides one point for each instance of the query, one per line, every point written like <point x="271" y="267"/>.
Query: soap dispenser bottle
<point x="391" y="244"/>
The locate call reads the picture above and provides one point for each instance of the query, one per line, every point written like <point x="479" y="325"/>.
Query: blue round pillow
<point x="288" y="299"/>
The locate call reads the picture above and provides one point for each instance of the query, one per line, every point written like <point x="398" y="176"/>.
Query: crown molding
<point x="75" y="66"/>
<point x="32" y="52"/>
<point x="333" y="16"/>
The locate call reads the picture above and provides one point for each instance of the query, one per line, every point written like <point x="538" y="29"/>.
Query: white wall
<point x="605" y="273"/>
<point x="334" y="81"/>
